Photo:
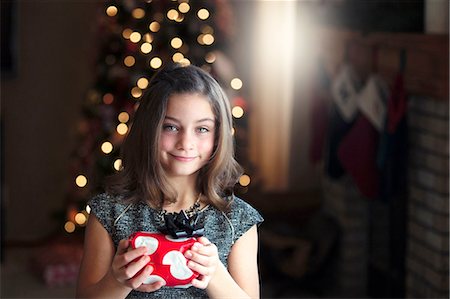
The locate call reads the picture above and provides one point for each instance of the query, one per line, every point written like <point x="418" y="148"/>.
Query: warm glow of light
<point x="108" y="98"/>
<point x="277" y="81"/>
<point x="210" y="57"/>
<point x="148" y="37"/>
<point x="123" y="117"/>
<point x="172" y="14"/>
<point x="136" y="92"/>
<point x="236" y="83"/>
<point x="208" y="39"/>
<point x="185" y="62"/>
<point x="118" y="164"/>
<point x="122" y="129"/>
<point x="154" y="26"/>
<point x="142" y="83"/>
<point x="146" y="48"/>
<point x="111" y="11"/>
<point x="138" y="13"/>
<point x="184" y="7"/>
<point x="107" y="147"/>
<point x="69" y="227"/>
<point x="156" y="62"/>
<point x="203" y="14"/>
<point x="80" y="218"/>
<point x="176" y="42"/>
<point x="237" y="111"/>
<point x="177" y="57"/>
<point x="129" y="61"/>
<point x="180" y="18"/>
<point x="81" y="181"/>
<point x="135" y="37"/>
<point x="233" y="131"/>
<point x="244" y="180"/>
<point x="200" y="39"/>
<point x="126" y="33"/>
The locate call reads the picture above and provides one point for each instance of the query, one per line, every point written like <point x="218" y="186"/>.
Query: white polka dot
<point x="149" y="242"/>
<point x="153" y="278"/>
<point x="178" y="267"/>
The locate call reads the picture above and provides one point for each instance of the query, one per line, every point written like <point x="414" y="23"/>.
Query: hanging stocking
<point x="357" y="155"/>
<point x="337" y="129"/>
<point x="344" y="90"/>
<point x="372" y="101"/>
<point x="342" y="114"/>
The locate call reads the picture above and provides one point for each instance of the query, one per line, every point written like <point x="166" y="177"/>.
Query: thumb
<point x="204" y="241"/>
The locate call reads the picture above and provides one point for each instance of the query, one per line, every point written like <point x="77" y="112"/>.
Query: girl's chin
<point x="182" y="172"/>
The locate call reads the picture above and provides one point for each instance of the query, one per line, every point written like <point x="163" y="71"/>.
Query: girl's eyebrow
<point x="206" y="119"/>
<point x="168" y="117"/>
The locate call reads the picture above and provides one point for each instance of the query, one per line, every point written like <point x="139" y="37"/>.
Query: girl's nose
<point x="185" y="142"/>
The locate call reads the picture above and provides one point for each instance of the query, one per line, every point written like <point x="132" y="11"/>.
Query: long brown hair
<point x="142" y="176"/>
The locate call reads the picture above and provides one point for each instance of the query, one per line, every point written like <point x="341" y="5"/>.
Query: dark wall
<point x="54" y="48"/>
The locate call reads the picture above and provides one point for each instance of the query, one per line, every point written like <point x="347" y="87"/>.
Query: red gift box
<point x="167" y="258"/>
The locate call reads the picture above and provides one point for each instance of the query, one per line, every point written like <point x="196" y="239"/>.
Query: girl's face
<point x="187" y="137"/>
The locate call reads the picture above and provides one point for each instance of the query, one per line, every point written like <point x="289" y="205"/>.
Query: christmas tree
<point x="136" y="39"/>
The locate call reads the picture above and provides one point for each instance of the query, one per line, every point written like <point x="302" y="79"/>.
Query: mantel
<point x="427" y="57"/>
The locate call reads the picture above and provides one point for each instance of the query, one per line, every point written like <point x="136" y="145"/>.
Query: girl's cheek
<point x="207" y="152"/>
<point x="165" y="142"/>
<point x="207" y="144"/>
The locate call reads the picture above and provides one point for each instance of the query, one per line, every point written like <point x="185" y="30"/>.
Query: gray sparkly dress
<point x="223" y="229"/>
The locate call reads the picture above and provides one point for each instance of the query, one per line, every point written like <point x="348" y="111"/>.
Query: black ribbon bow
<point x="179" y="225"/>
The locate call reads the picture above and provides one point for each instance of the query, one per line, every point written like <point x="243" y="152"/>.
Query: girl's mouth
<point x="183" y="159"/>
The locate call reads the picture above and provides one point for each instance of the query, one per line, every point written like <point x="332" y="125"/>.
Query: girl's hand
<point x="126" y="267"/>
<point x="204" y="260"/>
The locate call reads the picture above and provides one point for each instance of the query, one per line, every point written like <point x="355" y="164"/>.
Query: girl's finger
<point x="199" y="268"/>
<point x="133" y="268"/>
<point x="204" y="241"/>
<point x="150" y="287"/>
<point x="205" y="249"/>
<point x="138" y="279"/>
<point x="198" y="258"/>
<point x="130" y="256"/>
<point x="200" y="283"/>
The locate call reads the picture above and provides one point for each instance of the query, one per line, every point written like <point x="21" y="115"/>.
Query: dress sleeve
<point x="102" y="207"/>
<point x="243" y="217"/>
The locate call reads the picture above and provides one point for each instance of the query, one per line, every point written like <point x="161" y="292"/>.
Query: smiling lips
<point x="183" y="159"/>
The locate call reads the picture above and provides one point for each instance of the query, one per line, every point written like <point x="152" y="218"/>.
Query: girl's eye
<point x="203" y="130"/>
<point x="170" y="128"/>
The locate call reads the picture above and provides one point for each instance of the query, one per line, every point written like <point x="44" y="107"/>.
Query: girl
<point x="177" y="157"/>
